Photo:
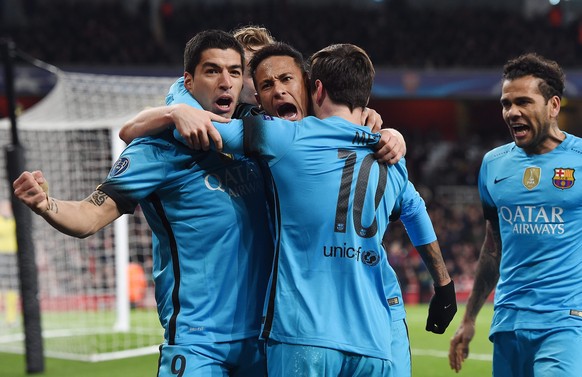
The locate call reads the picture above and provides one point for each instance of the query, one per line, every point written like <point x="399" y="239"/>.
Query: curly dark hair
<point x="531" y="64"/>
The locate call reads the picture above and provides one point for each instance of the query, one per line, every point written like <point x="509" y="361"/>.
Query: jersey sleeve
<point x="415" y="217"/>
<point x="138" y="172"/>
<point x="268" y="137"/>
<point x="489" y="209"/>
<point x="257" y="136"/>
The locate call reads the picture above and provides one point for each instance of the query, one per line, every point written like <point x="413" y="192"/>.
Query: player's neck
<point x="330" y="109"/>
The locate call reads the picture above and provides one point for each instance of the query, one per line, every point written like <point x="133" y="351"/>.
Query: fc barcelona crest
<point x="531" y="177"/>
<point x="563" y="178"/>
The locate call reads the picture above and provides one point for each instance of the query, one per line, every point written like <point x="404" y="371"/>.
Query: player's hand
<point x="459" y="349"/>
<point x="442" y="308"/>
<point x="391" y="147"/>
<point x="32" y="190"/>
<point x="196" y="127"/>
<point x="371" y="119"/>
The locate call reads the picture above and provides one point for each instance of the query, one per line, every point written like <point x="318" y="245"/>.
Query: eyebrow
<point x="214" y="65"/>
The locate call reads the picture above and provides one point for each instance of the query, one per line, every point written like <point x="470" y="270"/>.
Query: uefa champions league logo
<point x="120" y="167"/>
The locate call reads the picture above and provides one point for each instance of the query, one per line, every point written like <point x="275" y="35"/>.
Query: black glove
<point x="442" y="308"/>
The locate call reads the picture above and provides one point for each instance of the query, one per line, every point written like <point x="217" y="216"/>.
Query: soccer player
<point x="212" y="246"/>
<point x="532" y="252"/>
<point x="253" y="38"/>
<point x="275" y="69"/>
<point x="327" y="312"/>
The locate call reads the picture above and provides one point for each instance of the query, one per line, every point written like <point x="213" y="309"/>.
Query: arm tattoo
<point x="433" y="259"/>
<point x="98" y="198"/>
<point x="487" y="270"/>
<point x="53" y="207"/>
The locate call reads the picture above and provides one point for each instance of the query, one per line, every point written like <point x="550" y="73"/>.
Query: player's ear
<point x="258" y="99"/>
<point x="188" y="81"/>
<point x="555" y="104"/>
<point x="320" y="93"/>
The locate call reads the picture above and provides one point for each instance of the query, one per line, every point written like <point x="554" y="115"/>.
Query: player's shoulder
<point x="573" y="143"/>
<point x="266" y="123"/>
<point x="163" y="141"/>
<point x="499" y="152"/>
<point x="399" y="169"/>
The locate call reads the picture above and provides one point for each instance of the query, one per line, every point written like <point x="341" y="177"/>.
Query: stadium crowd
<point x="111" y="33"/>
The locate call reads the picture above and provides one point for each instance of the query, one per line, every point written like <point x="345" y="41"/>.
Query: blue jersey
<point x="179" y="94"/>
<point x="212" y="250"/>
<point x="333" y="202"/>
<point x="538" y="203"/>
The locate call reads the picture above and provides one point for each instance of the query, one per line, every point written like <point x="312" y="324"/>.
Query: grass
<point x="430" y="351"/>
<point x="429" y="354"/>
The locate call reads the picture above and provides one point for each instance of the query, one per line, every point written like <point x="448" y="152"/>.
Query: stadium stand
<point x="65" y="32"/>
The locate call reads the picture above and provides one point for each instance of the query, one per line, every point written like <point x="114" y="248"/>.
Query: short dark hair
<point x="531" y="64"/>
<point x="206" y="40"/>
<point x="346" y="72"/>
<point x="279" y="49"/>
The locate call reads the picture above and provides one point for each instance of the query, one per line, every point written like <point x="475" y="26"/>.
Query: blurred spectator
<point x="65" y="32"/>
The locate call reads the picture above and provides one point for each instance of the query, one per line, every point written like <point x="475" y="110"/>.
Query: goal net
<point x="96" y="294"/>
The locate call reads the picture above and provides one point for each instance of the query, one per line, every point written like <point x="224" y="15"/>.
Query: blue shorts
<point x="401" y="364"/>
<point x="243" y="358"/>
<point x="293" y="360"/>
<point x="541" y="353"/>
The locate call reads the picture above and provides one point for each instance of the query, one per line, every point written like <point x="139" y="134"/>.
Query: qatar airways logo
<point x="534" y="219"/>
<point x="235" y="181"/>
<point x="368" y="257"/>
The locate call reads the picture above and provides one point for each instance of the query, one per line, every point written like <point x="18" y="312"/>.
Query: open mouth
<point x="224" y="103"/>
<point x="519" y="130"/>
<point x="287" y="111"/>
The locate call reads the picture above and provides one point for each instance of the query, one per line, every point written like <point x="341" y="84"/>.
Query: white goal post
<point x="84" y="285"/>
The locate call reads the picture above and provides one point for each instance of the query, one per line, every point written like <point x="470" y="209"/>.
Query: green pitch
<point x="430" y="351"/>
<point x="429" y="355"/>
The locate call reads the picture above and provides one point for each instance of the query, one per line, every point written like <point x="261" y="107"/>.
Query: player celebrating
<point x="532" y="250"/>
<point x="212" y="249"/>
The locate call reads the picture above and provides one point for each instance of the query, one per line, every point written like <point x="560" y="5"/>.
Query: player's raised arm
<point x="371" y="119"/>
<point x="75" y="218"/>
<point x="186" y="118"/>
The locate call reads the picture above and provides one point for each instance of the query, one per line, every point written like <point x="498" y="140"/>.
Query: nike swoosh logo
<point x="496" y="181"/>
<point x="448" y="306"/>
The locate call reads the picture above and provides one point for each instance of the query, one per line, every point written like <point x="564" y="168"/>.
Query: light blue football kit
<point x="537" y="201"/>
<point x="212" y="251"/>
<point x="333" y="200"/>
